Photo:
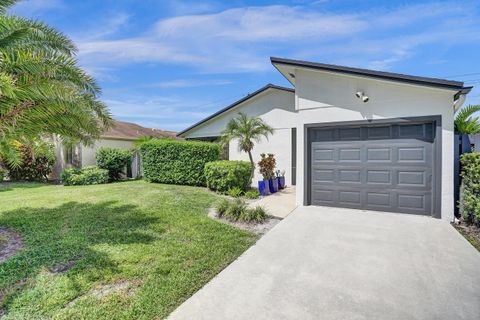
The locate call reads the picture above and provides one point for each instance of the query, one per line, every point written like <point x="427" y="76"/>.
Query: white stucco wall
<point x="88" y="153"/>
<point x="277" y="108"/>
<point x="325" y="97"/>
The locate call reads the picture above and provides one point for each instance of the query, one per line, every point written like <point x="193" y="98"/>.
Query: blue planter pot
<point x="273" y="184"/>
<point x="263" y="187"/>
<point x="281" y="182"/>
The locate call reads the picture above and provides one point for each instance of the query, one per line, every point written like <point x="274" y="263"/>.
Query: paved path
<point x="326" y="263"/>
<point x="278" y="204"/>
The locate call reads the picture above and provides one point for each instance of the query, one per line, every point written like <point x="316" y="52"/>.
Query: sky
<point x="168" y="64"/>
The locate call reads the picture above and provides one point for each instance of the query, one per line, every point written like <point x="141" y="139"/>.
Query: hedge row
<point x="177" y="162"/>
<point x="470" y="191"/>
<point x="225" y="175"/>
<point x="84" y="176"/>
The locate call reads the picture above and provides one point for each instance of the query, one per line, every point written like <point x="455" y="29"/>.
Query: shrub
<point x="267" y="166"/>
<point x="252" y="194"/>
<point x="114" y="160"/>
<point x="257" y="214"/>
<point x="84" y="176"/>
<point x="470" y="191"/>
<point x="225" y="175"/>
<point x="177" y="162"/>
<point x="37" y="160"/>
<point x="237" y="210"/>
<point x="222" y="206"/>
<point x="235" y="192"/>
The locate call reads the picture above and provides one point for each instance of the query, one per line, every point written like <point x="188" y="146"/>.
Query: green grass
<point x="131" y="249"/>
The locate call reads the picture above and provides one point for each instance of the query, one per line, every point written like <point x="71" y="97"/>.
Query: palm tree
<point x="246" y="130"/>
<point x="43" y="92"/>
<point x="465" y="123"/>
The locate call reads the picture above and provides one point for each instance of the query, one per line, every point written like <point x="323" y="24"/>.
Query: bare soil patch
<point x="257" y="228"/>
<point x="470" y="232"/>
<point x="10" y="243"/>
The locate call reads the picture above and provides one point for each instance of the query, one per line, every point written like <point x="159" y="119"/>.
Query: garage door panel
<point x="389" y="169"/>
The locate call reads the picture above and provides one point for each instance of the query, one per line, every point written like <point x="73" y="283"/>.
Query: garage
<point x="385" y="166"/>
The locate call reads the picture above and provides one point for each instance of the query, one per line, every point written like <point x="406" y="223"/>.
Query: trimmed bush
<point x="470" y="191"/>
<point x="177" y="162"/>
<point x="224" y="175"/>
<point x="114" y="160"/>
<point x="37" y="162"/>
<point x="257" y="215"/>
<point x="84" y="176"/>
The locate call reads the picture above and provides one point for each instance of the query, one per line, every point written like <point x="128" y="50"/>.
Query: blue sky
<point x="168" y="64"/>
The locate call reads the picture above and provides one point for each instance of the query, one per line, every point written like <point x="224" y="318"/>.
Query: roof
<point x="131" y="131"/>
<point x="236" y="103"/>
<point x="432" y="82"/>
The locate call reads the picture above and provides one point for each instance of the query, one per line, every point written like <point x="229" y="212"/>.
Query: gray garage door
<point x="387" y="167"/>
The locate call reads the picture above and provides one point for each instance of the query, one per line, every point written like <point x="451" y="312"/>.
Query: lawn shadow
<point x="12" y="185"/>
<point x="62" y="240"/>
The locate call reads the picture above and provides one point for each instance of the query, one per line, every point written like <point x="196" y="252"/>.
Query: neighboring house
<point x="121" y="135"/>
<point x="355" y="138"/>
<point x="475" y="142"/>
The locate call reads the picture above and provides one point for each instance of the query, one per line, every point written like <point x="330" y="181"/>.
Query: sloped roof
<point x="131" y="131"/>
<point x="236" y="103"/>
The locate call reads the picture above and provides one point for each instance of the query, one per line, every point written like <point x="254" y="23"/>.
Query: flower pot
<point x="273" y="184"/>
<point x="263" y="187"/>
<point x="281" y="182"/>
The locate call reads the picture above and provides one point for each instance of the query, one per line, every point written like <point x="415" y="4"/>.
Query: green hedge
<point x="114" y="160"/>
<point x="177" y="162"/>
<point x="84" y="176"/>
<point x="225" y="175"/>
<point x="470" y="191"/>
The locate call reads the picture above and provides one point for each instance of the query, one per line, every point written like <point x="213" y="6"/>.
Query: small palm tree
<point x="465" y="123"/>
<point x="247" y="130"/>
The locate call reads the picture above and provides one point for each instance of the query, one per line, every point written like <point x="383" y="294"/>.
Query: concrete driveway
<point x="328" y="263"/>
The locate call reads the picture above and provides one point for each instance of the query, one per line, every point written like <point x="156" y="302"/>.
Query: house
<point x="356" y="138"/>
<point x="120" y="135"/>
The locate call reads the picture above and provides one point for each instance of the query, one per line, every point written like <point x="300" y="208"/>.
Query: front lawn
<point x="115" y="251"/>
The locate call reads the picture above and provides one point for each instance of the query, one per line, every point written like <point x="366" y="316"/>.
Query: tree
<point x="246" y="130"/>
<point x="43" y="92"/>
<point x="465" y="123"/>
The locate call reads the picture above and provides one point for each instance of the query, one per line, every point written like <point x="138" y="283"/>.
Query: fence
<point x="462" y="145"/>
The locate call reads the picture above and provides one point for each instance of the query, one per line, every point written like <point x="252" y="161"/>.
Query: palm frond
<point x="465" y="123"/>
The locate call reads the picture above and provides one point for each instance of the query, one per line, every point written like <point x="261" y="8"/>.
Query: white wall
<point x="325" y="97"/>
<point x="88" y="153"/>
<point x="276" y="108"/>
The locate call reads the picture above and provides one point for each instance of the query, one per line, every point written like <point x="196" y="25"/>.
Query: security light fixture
<point x="362" y="96"/>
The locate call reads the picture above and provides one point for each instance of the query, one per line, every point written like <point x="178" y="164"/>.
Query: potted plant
<point x="267" y="165"/>
<point x="280" y="178"/>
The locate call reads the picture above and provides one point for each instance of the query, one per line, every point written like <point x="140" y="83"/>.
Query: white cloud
<point x="242" y="39"/>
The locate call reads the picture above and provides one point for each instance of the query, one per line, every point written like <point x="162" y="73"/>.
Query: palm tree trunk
<point x="252" y="170"/>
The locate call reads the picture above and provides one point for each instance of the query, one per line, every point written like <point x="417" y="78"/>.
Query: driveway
<point x="329" y="263"/>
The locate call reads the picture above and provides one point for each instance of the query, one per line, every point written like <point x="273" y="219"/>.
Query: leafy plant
<point x="114" y="160"/>
<point x="465" y="123"/>
<point x="177" y="162"/>
<point x="36" y="161"/>
<point x="235" y="192"/>
<point x="470" y="190"/>
<point x="224" y="175"/>
<point x="257" y="215"/>
<point x="84" y="176"/>
<point x="43" y="90"/>
<point x="252" y="194"/>
<point x="237" y="210"/>
<point x="267" y="166"/>
<point x="3" y="173"/>
<point x="247" y="130"/>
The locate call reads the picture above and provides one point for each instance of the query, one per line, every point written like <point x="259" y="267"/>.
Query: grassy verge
<point x="116" y="251"/>
<point x="471" y="233"/>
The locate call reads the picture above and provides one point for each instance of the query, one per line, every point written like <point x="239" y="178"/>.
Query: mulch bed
<point x="259" y="229"/>
<point x="10" y="243"/>
<point x="470" y="232"/>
